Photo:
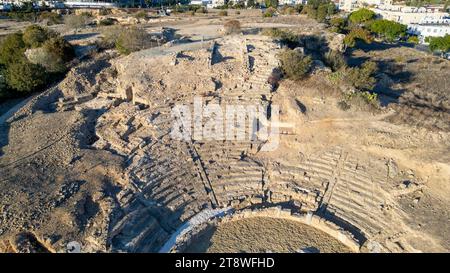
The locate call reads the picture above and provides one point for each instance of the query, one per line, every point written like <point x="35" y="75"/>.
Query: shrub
<point x="107" y="22"/>
<point x="440" y="43"/>
<point x="110" y="35"/>
<point x="34" y="36"/>
<point x="361" y="16"/>
<point x="299" y="8"/>
<point x="47" y="59"/>
<point x="413" y="39"/>
<point x="285" y="37"/>
<point x="104" y="11"/>
<point x="140" y="14"/>
<point x="25" y="77"/>
<point x="270" y="12"/>
<point x="60" y="47"/>
<point x="390" y="30"/>
<point x="232" y="26"/>
<point x="22" y="16"/>
<point x="204" y="11"/>
<point x="288" y="10"/>
<point x="310" y="11"/>
<point x="322" y="12"/>
<point x="271" y="3"/>
<point x="357" y="34"/>
<point x="133" y="39"/>
<point x="335" y="60"/>
<point x="361" y="100"/>
<point x="223" y="13"/>
<point x="12" y="49"/>
<point x="52" y="18"/>
<point x="361" y="77"/>
<point x="338" y="24"/>
<point x="76" y="21"/>
<point x="294" y="64"/>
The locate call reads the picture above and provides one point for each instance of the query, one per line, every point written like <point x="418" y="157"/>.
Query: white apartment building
<point x="430" y="28"/>
<point x="409" y="15"/>
<point x="292" y="2"/>
<point x="351" y="5"/>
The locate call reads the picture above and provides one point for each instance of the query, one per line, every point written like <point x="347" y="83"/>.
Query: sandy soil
<point x="262" y="234"/>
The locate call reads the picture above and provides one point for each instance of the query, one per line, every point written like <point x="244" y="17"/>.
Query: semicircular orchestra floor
<point x="264" y="234"/>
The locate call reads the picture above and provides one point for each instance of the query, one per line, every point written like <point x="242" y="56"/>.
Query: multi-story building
<point x="430" y="28"/>
<point x="351" y="5"/>
<point x="409" y="15"/>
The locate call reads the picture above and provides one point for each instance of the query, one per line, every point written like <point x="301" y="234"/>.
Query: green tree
<point x="12" y="48"/>
<point x="357" y="34"/>
<point x="361" y="16"/>
<point x="34" y="36"/>
<point x="60" y="47"/>
<point x="322" y="12"/>
<point x="390" y="30"/>
<point x="361" y="78"/>
<point x="251" y="3"/>
<point x="25" y="77"/>
<point x="440" y="43"/>
<point x="271" y="3"/>
<point x="294" y="64"/>
<point x="337" y="24"/>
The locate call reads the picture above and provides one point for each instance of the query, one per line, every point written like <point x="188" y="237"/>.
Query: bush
<point x="271" y="3"/>
<point x="204" y="11"/>
<point x="25" y="77"/>
<point x="76" y="21"/>
<point x="335" y="60"/>
<point x="389" y="30"/>
<point x="133" y="39"/>
<point x="294" y="65"/>
<point x="288" y="10"/>
<point x="109" y="36"/>
<point x="34" y="36"/>
<point x="104" y="12"/>
<point x="360" y="100"/>
<point x="232" y="26"/>
<point x="338" y="24"/>
<point x="28" y="60"/>
<point x="322" y="12"/>
<point x="223" y="13"/>
<point x="299" y="8"/>
<point x="22" y="16"/>
<point x="361" y="77"/>
<point x="52" y="18"/>
<point x="361" y="16"/>
<point x="413" y="39"/>
<point x="270" y="12"/>
<point x="440" y="43"/>
<point x="140" y="14"/>
<point x="310" y="11"/>
<point x="12" y="49"/>
<point x="47" y="59"/>
<point x="60" y="47"/>
<point x="107" y="22"/>
<point x="285" y="37"/>
<point x="357" y="34"/>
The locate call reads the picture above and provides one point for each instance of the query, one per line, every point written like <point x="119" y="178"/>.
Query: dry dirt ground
<point x="91" y="159"/>
<point x="264" y="235"/>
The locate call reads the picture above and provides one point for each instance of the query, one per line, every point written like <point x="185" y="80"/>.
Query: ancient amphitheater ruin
<point x="169" y="191"/>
